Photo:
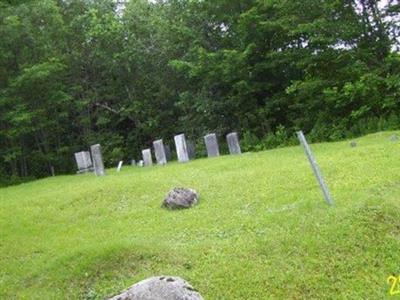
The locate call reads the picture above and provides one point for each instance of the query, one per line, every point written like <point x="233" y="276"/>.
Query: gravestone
<point x="191" y="148"/>
<point x="211" y="145"/>
<point x="159" y="151"/>
<point x="140" y="164"/>
<point x="133" y="163"/>
<point x="147" y="159"/>
<point x="84" y="162"/>
<point x="97" y="160"/>
<point x="168" y="154"/>
<point x="119" y="166"/>
<point x="181" y="148"/>
<point x="233" y="143"/>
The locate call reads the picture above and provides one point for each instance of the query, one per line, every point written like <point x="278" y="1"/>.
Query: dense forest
<point x="124" y="73"/>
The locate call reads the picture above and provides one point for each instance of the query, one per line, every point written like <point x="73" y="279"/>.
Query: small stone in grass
<point x="179" y="198"/>
<point x="160" y="288"/>
<point x="353" y="144"/>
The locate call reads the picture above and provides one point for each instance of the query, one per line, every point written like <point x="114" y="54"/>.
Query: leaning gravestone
<point x="233" y="143"/>
<point x="160" y="288"/>
<point x="84" y="162"/>
<point x="97" y="160"/>
<point x="159" y="151"/>
<point x="211" y="145"/>
<point x="180" y="198"/>
<point x="147" y="159"/>
<point x="191" y="147"/>
<point x="181" y="148"/>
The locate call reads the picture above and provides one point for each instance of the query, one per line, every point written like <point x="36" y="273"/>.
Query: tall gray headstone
<point x="159" y="151"/>
<point x="191" y="148"/>
<point x="233" y="143"/>
<point x="147" y="159"/>
<point x="211" y="145"/>
<point x="97" y="160"/>
<point x="315" y="168"/>
<point x="181" y="148"/>
<point x="168" y="154"/>
<point x="84" y="162"/>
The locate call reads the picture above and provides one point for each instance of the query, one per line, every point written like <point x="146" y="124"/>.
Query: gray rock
<point x="181" y="148"/>
<point x="97" y="160"/>
<point x="233" y="143"/>
<point x="160" y="288"/>
<point x="211" y="142"/>
<point x="180" y="198"/>
<point x="353" y="144"/>
<point x="394" y="138"/>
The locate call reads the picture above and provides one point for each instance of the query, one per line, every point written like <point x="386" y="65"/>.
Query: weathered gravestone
<point x="233" y="143"/>
<point x="97" y="160"/>
<point x="181" y="148"/>
<point x="120" y="166"/>
<point x="211" y="142"/>
<point x="191" y="147"/>
<point x="160" y="288"/>
<point x="133" y="163"/>
<point x="159" y="151"/>
<point x="84" y="162"/>
<point x="140" y="164"/>
<point x="147" y="159"/>
<point x="168" y="153"/>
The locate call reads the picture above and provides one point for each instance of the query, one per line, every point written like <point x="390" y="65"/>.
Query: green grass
<point x="262" y="229"/>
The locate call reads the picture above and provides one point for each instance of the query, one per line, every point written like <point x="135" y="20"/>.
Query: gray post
<point x="159" y="151"/>
<point x="97" y="160"/>
<point x="315" y="167"/>
<point x="233" y="143"/>
<point x="147" y="159"/>
<point x="167" y="150"/>
<point x="211" y="145"/>
<point x="120" y="166"/>
<point x="181" y="148"/>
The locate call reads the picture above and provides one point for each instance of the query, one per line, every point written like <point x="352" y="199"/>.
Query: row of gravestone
<point x="93" y="160"/>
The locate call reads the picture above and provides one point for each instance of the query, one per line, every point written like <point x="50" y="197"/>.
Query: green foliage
<point x="78" y="72"/>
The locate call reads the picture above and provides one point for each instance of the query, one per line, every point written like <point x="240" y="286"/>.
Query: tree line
<point x="124" y="73"/>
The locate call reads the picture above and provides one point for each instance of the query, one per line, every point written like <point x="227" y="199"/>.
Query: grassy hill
<point x="262" y="229"/>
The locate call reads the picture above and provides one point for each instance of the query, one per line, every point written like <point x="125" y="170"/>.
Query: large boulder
<point x="180" y="198"/>
<point x="160" y="288"/>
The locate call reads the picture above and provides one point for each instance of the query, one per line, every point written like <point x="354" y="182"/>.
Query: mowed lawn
<point x="262" y="229"/>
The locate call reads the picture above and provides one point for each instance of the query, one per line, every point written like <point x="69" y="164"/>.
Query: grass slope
<point x="262" y="229"/>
